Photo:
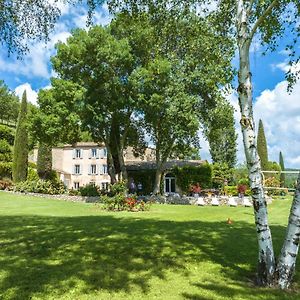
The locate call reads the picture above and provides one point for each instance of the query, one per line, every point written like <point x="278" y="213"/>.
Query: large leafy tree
<point x="9" y="104"/>
<point x="218" y="127"/>
<point x="244" y="19"/>
<point x="20" y="150"/>
<point x="25" y="20"/>
<point x="101" y="64"/>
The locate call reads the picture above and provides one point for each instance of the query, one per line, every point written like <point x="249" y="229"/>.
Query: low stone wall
<point x="64" y="197"/>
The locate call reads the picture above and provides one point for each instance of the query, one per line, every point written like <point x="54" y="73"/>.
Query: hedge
<point x="5" y="169"/>
<point x="190" y="175"/>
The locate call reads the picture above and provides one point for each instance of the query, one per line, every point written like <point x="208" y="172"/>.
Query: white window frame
<point x="76" y="185"/>
<point x="93" y="169"/>
<point x="77" y="167"/>
<point x="94" y="153"/>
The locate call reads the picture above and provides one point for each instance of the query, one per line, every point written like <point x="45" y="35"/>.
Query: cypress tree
<point x="262" y="146"/>
<point x="20" y="151"/>
<point x="44" y="161"/>
<point x="282" y="175"/>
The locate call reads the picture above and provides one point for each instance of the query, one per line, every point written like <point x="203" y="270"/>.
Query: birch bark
<point x="287" y="259"/>
<point x="266" y="259"/>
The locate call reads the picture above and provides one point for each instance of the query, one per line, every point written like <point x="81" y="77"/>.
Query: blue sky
<point x="279" y="110"/>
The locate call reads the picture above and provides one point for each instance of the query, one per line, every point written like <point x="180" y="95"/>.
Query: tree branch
<point x="261" y="19"/>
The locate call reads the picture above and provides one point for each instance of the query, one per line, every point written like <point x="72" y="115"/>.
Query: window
<point x="104" y="169"/>
<point x="103" y="153"/>
<point x="76" y="185"/>
<point x="93" y="170"/>
<point x="93" y="183"/>
<point x="104" y="186"/>
<point x="77" y="153"/>
<point x="77" y="170"/>
<point x="94" y="153"/>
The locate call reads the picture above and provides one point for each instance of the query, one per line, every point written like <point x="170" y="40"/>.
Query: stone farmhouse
<point x="86" y="163"/>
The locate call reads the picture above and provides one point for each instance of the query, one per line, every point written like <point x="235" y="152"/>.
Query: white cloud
<point x="32" y="95"/>
<point x="280" y="113"/>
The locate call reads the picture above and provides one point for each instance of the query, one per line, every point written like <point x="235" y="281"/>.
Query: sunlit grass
<point x="52" y="249"/>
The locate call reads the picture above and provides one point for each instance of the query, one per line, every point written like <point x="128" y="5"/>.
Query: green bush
<point x="40" y="186"/>
<point x="5" y="169"/>
<point x="89" y="190"/>
<point x="190" y="175"/>
<point x="5" y="151"/>
<point x="121" y="202"/>
<point x="230" y="190"/>
<point x="7" y="134"/>
<point x="32" y="174"/>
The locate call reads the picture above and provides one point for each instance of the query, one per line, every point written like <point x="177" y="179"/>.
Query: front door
<point x="170" y="184"/>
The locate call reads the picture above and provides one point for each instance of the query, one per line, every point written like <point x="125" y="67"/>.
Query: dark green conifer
<point x="44" y="161"/>
<point x="282" y="175"/>
<point x="20" y="151"/>
<point x="262" y="146"/>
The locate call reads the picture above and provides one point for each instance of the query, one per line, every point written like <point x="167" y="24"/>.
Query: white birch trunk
<point x="266" y="259"/>
<point x="287" y="259"/>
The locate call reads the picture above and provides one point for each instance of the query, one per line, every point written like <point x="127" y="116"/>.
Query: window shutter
<point x="73" y="173"/>
<point x="101" y="169"/>
<point x="91" y="152"/>
<point x="97" y="153"/>
<point x="81" y="153"/>
<point x="80" y="169"/>
<point x="74" y="153"/>
<point x="90" y="170"/>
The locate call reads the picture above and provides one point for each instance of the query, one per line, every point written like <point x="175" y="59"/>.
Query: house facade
<point x="85" y="163"/>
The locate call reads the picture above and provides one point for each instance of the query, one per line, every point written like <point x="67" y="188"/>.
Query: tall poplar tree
<point x="282" y="175"/>
<point x="20" y="152"/>
<point x="262" y="147"/>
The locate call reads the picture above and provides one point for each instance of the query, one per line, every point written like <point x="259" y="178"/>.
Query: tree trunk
<point x="122" y="165"/>
<point x="287" y="259"/>
<point x="158" y="176"/>
<point x="266" y="259"/>
<point x="111" y="166"/>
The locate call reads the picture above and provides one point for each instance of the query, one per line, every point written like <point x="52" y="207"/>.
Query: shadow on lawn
<point x="41" y="254"/>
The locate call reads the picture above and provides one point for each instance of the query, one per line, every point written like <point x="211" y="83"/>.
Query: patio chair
<point x="215" y="201"/>
<point x="232" y="201"/>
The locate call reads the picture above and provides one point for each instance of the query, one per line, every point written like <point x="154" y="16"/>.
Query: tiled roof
<point x="151" y="165"/>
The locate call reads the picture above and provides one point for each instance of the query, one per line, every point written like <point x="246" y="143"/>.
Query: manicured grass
<point x="52" y="249"/>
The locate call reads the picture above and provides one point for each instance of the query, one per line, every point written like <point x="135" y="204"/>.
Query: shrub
<point x="5" y="151"/>
<point x="32" y="175"/>
<point x="121" y="202"/>
<point x="40" y="186"/>
<point x="5" y="169"/>
<point x="7" y="134"/>
<point x="89" y="190"/>
<point x="230" y="190"/>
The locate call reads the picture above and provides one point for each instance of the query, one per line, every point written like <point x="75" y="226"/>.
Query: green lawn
<point x="53" y="249"/>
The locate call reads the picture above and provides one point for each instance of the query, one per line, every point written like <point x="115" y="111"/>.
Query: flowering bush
<point x="121" y="202"/>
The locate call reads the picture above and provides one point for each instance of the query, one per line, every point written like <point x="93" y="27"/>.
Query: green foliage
<point x="121" y="202"/>
<point x="7" y="133"/>
<point x="282" y="175"/>
<point x="220" y="132"/>
<point x="221" y="172"/>
<point x="9" y="103"/>
<point x="44" y="161"/>
<point x="272" y="182"/>
<point x="262" y="148"/>
<point x="89" y="190"/>
<point x="5" y="151"/>
<point x="118" y="188"/>
<point x="230" y="190"/>
<point x="190" y="175"/>
<point x="20" y="151"/>
<point x="5" y="169"/>
<point x="32" y="174"/>
<point x="40" y="186"/>
<point x="241" y="174"/>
